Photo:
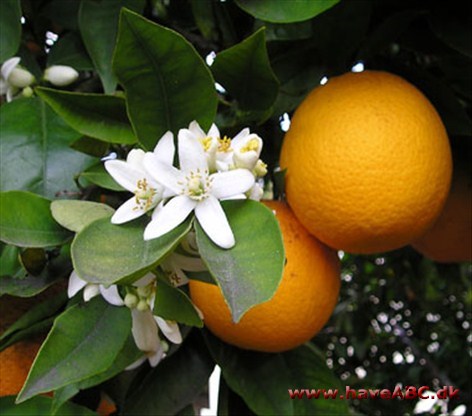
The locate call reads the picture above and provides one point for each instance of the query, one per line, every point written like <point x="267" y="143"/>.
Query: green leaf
<point x="26" y="221"/>
<point x="34" y="315"/>
<point x="174" y="304"/>
<point x="41" y="327"/>
<point x="167" y="83"/>
<point x="40" y="406"/>
<point x="10" y="14"/>
<point x="90" y="146"/>
<point x="76" y="215"/>
<point x="84" y="341"/>
<point x="9" y="260"/>
<point x="70" y="50"/>
<point x="303" y="367"/>
<point x="283" y="11"/>
<point x="33" y="260"/>
<point x="175" y="383"/>
<point x="250" y="272"/>
<point x="98" y="175"/>
<point x="106" y="253"/>
<point x="98" y="22"/>
<point x="244" y="70"/>
<point x="96" y="115"/>
<point x="35" y="154"/>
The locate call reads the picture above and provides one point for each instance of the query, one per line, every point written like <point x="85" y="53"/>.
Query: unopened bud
<point x="27" y="92"/>
<point x="142" y="305"/>
<point x="260" y="169"/>
<point x="61" y="75"/>
<point x="131" y="300"/>
<point x="20" y="78"/>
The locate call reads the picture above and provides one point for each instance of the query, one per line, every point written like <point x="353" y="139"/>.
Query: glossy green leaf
<point x="76" y="215"/>
<point x="96" y="115"/>
<point x="128" y="355"/>
<point x="10" y="14"/>
<point x="173" y="304"/>
<point x="90" y="146"/>
<point x="174" y="383"/>
<point x="167" y="83"/>
<point x="301" y="368"/>
<point x="98" y="22"/>
<point x="35" y="154"/>
<point x="26" y="221"/>
<point x="70" y="50"/>
<point x="40" y="406"/>
<point x="98" y="175"/>
<point x="283" y="11"/>
<point x="250" y="272"/>
<point x="106" y="253"/>
<point x="244" y="70"/>
<point x="9" y="260"/>
<point x="92" y="333"/>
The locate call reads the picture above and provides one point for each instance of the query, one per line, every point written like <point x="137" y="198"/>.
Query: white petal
<point x="144" y="330"/>
<point x="165" y="174"/>
<point x="127" y="212"/>
<point x="8" y="66"/>
<point x="169" y="329"/>
<point x="195" y="129"/>
<point x="124" y="173"/>
<point x="165" y="148"/>
<point x="76" y="284"/>
<point x="145" y="280"/>
<point x="233" y="182"/>
<point x="156" y="357"/>
<point x="191" y="154"/>
<point x="11" y="92"/>
<point x="90" y="291"/>
<point x="136" y="364"/>
<point x="111" y="295"/>
<point x="171" y="215"/>
<point x="191" y="264"/>
<point x="240" y="137"/>
<point x="213" y="220"/>
<point x="214" y="132"/>
<point x="135" y="158"/>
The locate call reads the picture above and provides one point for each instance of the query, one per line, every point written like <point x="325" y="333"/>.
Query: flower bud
<point x="27" y="92"/>
<point x="260" y="169"/>
<point x="20" y="78"/>
<point x="131" y="300"/>
<point x="61" y="75"/>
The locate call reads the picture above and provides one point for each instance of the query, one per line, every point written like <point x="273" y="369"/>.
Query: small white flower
<point x="247" y="149"/>
<point x="61" y="75"/>
<point x="195" y="189"/>
<point x="131" y="175"/>
<point x="14" y="78"/>
<point x="76" y="284"/>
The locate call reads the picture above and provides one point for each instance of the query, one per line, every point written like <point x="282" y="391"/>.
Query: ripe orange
<point x="301" y="305"/>
<point x="368" y="162"/>
<point x="15" y="363"/>
<point x="450" y="239"/>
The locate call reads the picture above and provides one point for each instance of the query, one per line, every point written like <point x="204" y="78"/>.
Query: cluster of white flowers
<point x="16" y="81"/>
<point x="212" y="168"/>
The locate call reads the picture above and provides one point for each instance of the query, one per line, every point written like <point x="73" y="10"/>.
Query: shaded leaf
<point x="101" y="251"/>
<point x="283" y="11"/>
<point x="76" y="215"/>
<point x="98" y="22"/>
<point x="70" y="50"/>
<point x="250" y="272"/>
<point x="173" y="304"/>
<point x="175" y="383"/>
<point x="9" y="260"/>
<point x="167" y="83"/>
<point x="93" y="333"/>
<point x="10" y="14"/>
<point x="26" y="221"/>
<point x="40" y="406"/>
<point x="96" y="115"/>
<point x="98" y="175"/>
<point x="35" y="152"/>
<point x="90" y="146"/>
<point x="244" y="70"/>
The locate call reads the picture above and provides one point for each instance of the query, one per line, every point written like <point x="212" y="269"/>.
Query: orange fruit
<point x="302" y="304"/>
<point x="15" y="363"/>
<point x="450" y="238"/>
<point x="368" y="162"/>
